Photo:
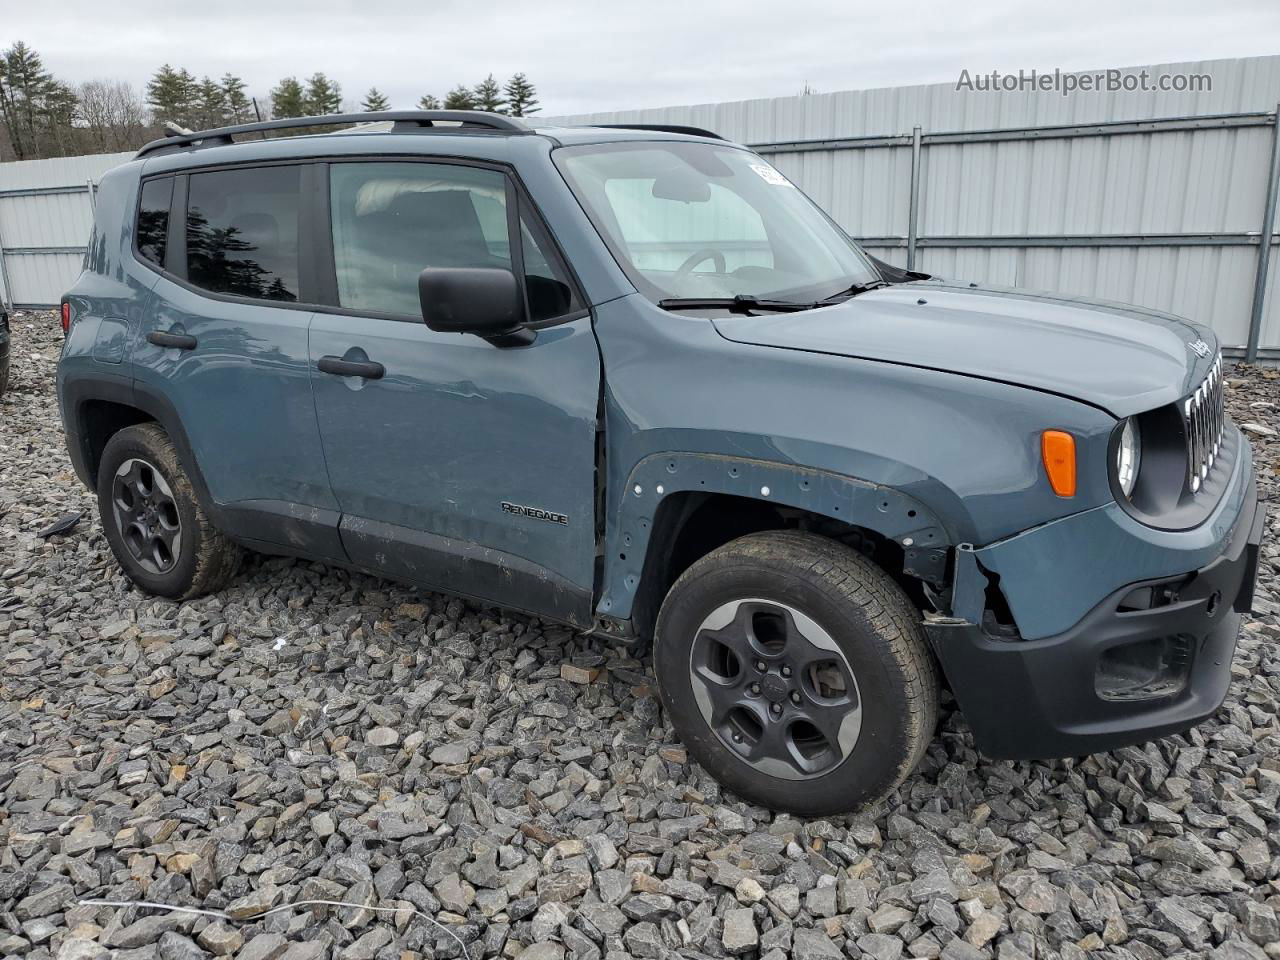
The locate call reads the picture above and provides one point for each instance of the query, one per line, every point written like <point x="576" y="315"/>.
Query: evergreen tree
<point x="488" y="96"/>
<point x="21" y="73"/>
<point x="288" y="99"/>
<point x="460" y="98"/>
<point x="239" y="109"/>
<point x="521" y="96"/>
<point x="174" y="95"/>
<point x="428" y="102"/>
<point x="35" y="109"/>
<point x="55" y="131"/>
<point x="212" y="111"/>
<point x="189" y="91"/>
<point x="323" y="95"/>
<point x="374" y="101"/>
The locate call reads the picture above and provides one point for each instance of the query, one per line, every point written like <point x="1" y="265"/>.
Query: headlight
<point x="1128" y="456"/>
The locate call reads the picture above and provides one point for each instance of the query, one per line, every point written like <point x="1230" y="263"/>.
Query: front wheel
<point x="796" y="672"/>
<point x="155" y="525"/>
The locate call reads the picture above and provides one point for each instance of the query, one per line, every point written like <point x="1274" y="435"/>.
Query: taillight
<point x="66" y="317"/>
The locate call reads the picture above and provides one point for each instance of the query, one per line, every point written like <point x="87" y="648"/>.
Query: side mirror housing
<point x="480" y="300"/>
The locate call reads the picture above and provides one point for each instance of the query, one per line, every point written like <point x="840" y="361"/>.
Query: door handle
<point x="183" y="341"/>
<point x="368" y="369"/>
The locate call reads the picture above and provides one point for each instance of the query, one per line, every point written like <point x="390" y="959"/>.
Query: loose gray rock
<point x="889" y="919"/>
<point x="644" y="940"/>
<point x="174" y="946"/>
<point x="144" y="931"/>
<point x="253" y="903"/>
<point x="220" y="938"/>
<point x="366" y="947"/>
<point x="808" y="943"/>
<point x="263" y="946"/>
<point x="740" y="934"/>
<point x="382" y="737"/>
<point x="451" y="754"/>
<point x="1175" y="918"/>
<point x="547" y="950"/>
<point x="331" y="736"/>
<point x="79" y="948"/>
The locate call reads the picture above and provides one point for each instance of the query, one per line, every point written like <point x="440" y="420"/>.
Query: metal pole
<point x="93" y="197"/>
<point x="4" y="279"/>
<point x="914" y="209"/>
<point x="1264" y="247"/>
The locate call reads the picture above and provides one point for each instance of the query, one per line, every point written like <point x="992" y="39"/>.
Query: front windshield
<point x="698" y="220"/>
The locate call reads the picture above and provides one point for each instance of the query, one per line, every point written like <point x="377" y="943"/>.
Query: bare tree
<point x="113" y="115"/>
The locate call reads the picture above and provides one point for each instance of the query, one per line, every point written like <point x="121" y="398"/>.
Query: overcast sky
<point x="586" y="56"/>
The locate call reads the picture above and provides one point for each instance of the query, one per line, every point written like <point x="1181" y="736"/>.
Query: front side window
<point x="153" y="219"/>
<point x="701" y="220"/>
<point x="547" y="286"/>
<point x="242" y="232"/>
<point x="393" y="220"/>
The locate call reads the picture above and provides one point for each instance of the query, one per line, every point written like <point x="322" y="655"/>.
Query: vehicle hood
<point x="1121" y="358"/>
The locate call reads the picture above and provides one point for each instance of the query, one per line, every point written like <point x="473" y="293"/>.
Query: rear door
<point x="459" y="464"/>
<point x="223" y="346"/>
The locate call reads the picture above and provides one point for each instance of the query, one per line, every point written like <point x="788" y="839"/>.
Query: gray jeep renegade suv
<point x="635" y="381"/>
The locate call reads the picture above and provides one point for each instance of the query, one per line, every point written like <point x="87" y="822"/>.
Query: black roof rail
<point x="660" y="128"/>
<point x="403" y="120"/>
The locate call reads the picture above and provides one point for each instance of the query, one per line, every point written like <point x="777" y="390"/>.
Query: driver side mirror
<point x="484" y="301"/>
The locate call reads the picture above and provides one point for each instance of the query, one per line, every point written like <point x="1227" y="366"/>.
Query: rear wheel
<point x="795" y="670"/>
<point x="153" y="521"/>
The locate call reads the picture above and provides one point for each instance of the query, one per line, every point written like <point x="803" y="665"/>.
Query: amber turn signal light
<point x="1058" y="450"/>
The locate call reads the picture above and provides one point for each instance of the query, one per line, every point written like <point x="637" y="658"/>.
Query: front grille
<point x="1205" y="421"/>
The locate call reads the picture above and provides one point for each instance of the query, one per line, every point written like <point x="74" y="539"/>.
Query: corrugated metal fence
<point x="46" y="213"/>
<point x="1161" y="199"/>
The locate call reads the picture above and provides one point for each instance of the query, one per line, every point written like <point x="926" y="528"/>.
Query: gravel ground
<point x="310" y="734"/>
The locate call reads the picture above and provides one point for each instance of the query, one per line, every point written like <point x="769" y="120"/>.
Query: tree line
<point x="319" y="95"/>
<point x="42" y="116"/>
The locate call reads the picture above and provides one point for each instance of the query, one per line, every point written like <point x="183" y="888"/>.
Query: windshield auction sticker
<point x="770" y="175"/>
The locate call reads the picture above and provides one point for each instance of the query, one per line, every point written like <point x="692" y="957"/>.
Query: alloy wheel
<point x="146" y="514"/>
<point x="776" y="688"/>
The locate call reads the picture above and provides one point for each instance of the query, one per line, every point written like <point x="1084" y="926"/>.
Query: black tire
<point x="202" y="559"/>
<point x="4" y="374"/>
<point x="841" y="596"/>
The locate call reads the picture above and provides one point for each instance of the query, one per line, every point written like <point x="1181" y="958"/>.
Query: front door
<point x="458" y="464"/>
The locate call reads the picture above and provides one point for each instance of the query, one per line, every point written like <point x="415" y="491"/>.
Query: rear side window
<point x="393" y="220"/>
<point x="153" y="219"/>
<point x="242" y="232"/>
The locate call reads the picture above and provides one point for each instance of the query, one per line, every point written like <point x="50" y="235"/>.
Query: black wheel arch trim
<point x="77" y="391"/>
<point x="631" y="526"/>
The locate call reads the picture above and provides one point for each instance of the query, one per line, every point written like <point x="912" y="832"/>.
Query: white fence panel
<point x="45" y="219"/>
<point x="1167" y="215"/>
<point x="1189" y="196"/>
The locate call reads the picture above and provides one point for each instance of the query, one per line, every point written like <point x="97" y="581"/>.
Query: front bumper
<point x="1055" y="696"/>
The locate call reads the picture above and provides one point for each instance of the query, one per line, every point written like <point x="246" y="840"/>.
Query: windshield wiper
<point x="854" y="290"/>
<point x="742" y="303"/>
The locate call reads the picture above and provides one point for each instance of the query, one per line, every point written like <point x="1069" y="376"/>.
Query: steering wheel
<point x="696" y="258"/>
